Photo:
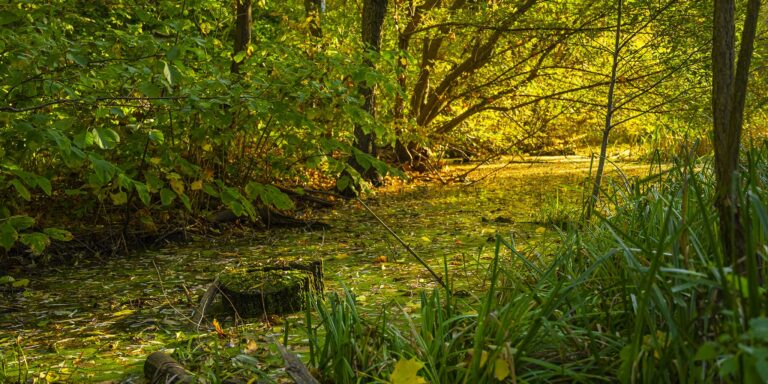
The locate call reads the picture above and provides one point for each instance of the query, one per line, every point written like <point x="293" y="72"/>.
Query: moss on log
<point x="269" y="290"/>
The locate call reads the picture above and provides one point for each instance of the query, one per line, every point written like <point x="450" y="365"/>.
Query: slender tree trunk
<point x="313" y="10"/>
<point x="608" y="116"/>
<point x="374" y="12"/>
<point x="729" y="89"/>
<point x="243" y="24"/>
<point x="416" y="14"/>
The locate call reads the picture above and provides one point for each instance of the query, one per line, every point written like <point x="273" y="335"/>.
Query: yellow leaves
<point x="219" y="331"/>
<point x="425" y="239"/>
<point x="501" y="369"/>
<point x="540" y="230"/>
<point x="406" y="372"/>
<point x="251" y="347"/>
<point x="119" y="198"/>
<point x="205" y="28"/>
<point x="196" y="185"/>
<point x="177" y="185"/>
<point x="124" y="312"/>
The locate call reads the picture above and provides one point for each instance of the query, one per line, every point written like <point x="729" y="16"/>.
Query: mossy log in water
<point x="270" y="290"/>
<point x="163" y="369"/>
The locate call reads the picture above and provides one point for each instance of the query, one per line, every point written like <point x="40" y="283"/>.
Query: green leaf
<point x="104" y="170"/>
<point x="8" y="17"/>
<point x="78" y="58"/>
<point x="156" y="136"/>
<point x="343" y="182"/>
<point x="150" y="90"/>
<point x="8" y="236"/>
<point x="36" y="241"/>
<point x="185" y="200"/>
<point x="269" y="195"/>
<point x="119" y="198"/>
<point x="105" y="138"/>
<point x="758" y="328"/>
<point x="84" y="139"/>
<point x="44" y="184"/>
<point x="62" y="142"/>
<point x="729" y="366"/>
<point x="167" y="196"/>
<point x="363" y="159"/>
<point x="21" y="222"/>
<point x="208" y="188"/>
<point x="229" y="195"/>
<point x="761" y="363"/>
<point x="239" y="57"/>
<point x="236" y="208"/>
<point x="6" y="279"/>
<point x="142" y="191"/>
<point x="58" y="234"/>
<point x="154" y="183"/>
<point x="20" y="283"/>
<point x="707" y="351"/>
<point x="254" y="189"/>
<point x="172" y="53"/>
<point x="21" y="189"/>
<point x="124" y="182"/>
<point x="167" y="73"/>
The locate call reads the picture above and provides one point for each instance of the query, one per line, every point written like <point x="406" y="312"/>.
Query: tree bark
<point x="243" y="25"/>
<point x="374" y="12"/>
<point x="729" y="88"/>
<point x="160" y="368"/>
<point x="608" y="116"/>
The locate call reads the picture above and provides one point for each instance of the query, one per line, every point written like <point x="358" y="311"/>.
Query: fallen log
<point x="163" y="369"/>
<point x="307" y="197"/>
<point x="269" y="217"/>
<point x="295" y="368"/>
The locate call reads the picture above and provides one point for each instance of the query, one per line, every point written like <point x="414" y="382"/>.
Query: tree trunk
<point x="313" y="9"/>
<point x="729" y="88"/>
<point x="608" y="116"/>
<point x="374" y="12"/>
<point x="243" y="24"/>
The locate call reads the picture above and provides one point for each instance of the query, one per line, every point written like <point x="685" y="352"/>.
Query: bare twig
<point x="407" y="247"/>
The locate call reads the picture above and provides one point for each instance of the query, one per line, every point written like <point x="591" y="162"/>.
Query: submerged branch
<point x="407" y="247"/>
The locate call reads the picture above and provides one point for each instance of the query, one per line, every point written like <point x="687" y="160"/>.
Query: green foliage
<point x="133" y="105"/>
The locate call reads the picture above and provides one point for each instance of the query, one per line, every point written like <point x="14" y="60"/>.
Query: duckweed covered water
<point x="97" y="322"/>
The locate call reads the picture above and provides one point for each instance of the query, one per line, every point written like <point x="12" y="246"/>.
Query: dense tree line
<point x="119" y="112"/>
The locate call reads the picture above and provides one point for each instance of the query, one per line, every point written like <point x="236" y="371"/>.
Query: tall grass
<point x="645" y="295"/>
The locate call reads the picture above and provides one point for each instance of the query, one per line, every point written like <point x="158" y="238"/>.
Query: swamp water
<point x="97" y="322"/>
